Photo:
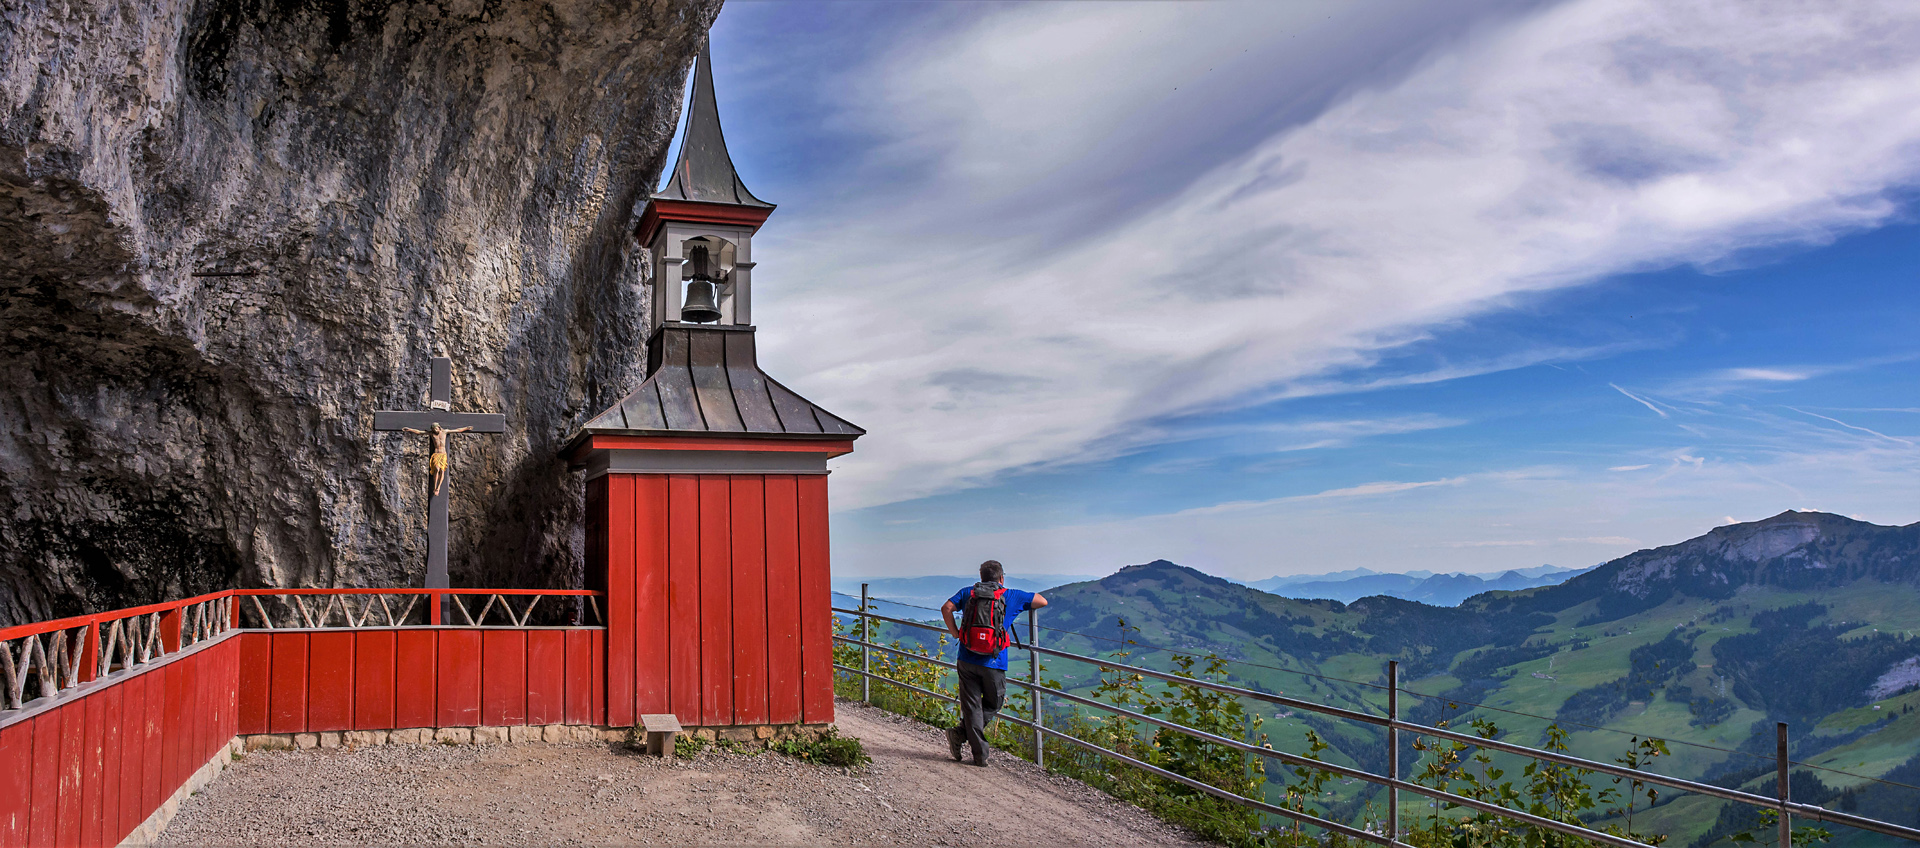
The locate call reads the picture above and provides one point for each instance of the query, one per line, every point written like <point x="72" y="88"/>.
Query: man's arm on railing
<point x="1037" y="601"/>
<point x="946" y="610"/>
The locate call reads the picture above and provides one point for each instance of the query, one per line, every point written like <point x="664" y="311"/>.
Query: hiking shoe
<point x="980" y="761"/>
<point x="954" y="741"/>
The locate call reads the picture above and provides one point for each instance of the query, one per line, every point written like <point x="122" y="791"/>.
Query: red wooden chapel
<point x="707" y="485"/>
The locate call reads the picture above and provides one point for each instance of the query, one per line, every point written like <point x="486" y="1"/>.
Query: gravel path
<point x="540" y="794"/>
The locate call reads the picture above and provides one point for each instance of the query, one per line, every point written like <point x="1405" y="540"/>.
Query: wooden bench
<point x="661" y="729"/>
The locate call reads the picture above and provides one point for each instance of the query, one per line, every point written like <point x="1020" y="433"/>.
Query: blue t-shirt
<point x="1017" y="602"/>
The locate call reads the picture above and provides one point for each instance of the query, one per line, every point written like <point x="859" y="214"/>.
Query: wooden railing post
<point x="1786" y="791"/>
<point x="170" y="631"/>
<point x="1033" y="679"/>
<point x="866" y="655"/>
<point x="90" y="652"/>
<point x="1393" y="749"/>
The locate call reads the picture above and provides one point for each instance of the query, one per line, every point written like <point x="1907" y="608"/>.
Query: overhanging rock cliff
<point x="230" y="230"/>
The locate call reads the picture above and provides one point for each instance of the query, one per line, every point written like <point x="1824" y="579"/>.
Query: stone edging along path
<point x="759" y="735"/>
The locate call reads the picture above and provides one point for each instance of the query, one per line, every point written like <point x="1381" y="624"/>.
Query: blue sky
<point x="1280" y="288"/>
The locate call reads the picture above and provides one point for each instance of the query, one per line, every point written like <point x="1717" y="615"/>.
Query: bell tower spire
<point x="700" y="227"/>
<point x="704" y="171"/>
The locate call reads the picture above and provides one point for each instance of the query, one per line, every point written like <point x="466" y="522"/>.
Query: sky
<point x="1280" y="288"/>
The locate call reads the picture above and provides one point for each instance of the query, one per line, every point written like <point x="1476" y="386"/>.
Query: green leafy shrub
<point x="830" y="749"/>
<point x="687" y="746"/>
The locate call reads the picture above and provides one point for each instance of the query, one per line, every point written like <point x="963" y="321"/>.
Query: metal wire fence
<point x="1391" y="726"/>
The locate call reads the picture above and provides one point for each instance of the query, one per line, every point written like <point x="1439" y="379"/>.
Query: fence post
<point x="866" y="654"/>
<point x="1393" y="749"/>
<point x="90" y="653"/>
<point x="170" y="631"/>
<point x="434" y="612"/>
<point x="1786" y="793"/>
<point x="1033" y="677"/>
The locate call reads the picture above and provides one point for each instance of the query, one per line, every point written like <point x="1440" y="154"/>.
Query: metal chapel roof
<point x="704" y="172"/>
<point x="704" y="380"/>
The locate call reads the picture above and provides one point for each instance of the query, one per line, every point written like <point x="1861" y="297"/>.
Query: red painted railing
<point x="105" y="717"/>
<point x="67" y="652"/>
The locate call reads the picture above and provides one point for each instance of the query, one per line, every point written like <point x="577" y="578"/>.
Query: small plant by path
<point x="688" y="747"/>
<point x="829" y="749"/>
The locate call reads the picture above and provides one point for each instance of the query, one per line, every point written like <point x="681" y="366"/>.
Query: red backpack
<point x="983" y="624"/>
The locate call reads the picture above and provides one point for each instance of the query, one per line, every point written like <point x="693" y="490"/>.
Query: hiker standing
<point x="985" y="609"/>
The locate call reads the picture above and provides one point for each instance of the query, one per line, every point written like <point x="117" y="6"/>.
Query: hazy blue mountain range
<point x="886" y="608"/>
<point x="935" y="590"/>
<point x="1443" y="590"/>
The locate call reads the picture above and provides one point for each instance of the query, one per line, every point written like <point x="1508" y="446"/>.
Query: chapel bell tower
<point x="700" y="227"/>
<point x="707" y="484"/>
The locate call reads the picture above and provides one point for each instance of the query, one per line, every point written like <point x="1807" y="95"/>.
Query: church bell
<point x="703" y="294"/>
<point x="703" y="302"/>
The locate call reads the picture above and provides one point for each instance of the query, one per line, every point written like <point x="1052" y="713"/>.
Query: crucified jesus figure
<point x="438" y="461"/>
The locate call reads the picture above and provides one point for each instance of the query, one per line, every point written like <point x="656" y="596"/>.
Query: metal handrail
<point x="1392" y="723"/>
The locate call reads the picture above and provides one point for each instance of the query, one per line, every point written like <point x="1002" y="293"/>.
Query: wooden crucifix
<point x="438" y="422"/>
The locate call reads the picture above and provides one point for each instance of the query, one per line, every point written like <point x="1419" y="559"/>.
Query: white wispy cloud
<point x="1592" y="138"/>
<point x="1833" y="420"/>
<point x="1771" y="375"/>
<point x="1630" y="467"/>
<point x="1642" y="401"/>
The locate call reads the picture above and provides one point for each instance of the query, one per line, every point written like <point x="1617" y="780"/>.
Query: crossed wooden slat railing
<point x="349" y="609"/>
<point x="56" y="653"/>
<point x="43" y="660"/>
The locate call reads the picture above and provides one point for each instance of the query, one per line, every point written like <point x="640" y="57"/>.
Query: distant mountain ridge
<point x="933" y="590"/>
<point x="1443" y="590"/>
<point x="1795" y="551"/>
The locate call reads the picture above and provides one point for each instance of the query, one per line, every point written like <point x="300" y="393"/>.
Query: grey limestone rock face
<point x="231" y="229"/>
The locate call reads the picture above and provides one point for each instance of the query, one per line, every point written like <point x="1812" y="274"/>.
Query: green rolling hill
<point x="1806" y="618"/>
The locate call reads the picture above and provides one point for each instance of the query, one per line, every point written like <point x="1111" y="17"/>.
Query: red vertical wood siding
<point x="90" y="769"/>
<point x="503" y="677"/>
<point x="94" y="723"/>
<point x="256" y="669"/>
<point x="546" y="676"/>
<point x="747" y="514"/>
<point x="153" y="759"/>
<point x="416" y="682"/>
<point x="716" y="604"/>
<point x="72" y="749"/>
<point x="330" y="681"/>
<point x="287" y="710"/>
<point x="373" y="679"/>
<point x="816" y="606"/>
<point x="597" y="701"/>
<point x="16" y="783"/>
<point x="133" y="749"/>
<point x="459" y="677"/>
<point x="651" y="614"/>
<point x="116" y="703"/>
<point x="46" y="779"/>
<point x="683" y="598"/>
<point x="783" y="599"/>
<point x="580" y="675"/>
<point x="620" y="608"/>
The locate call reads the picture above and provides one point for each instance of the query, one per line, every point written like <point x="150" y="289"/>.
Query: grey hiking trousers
<point x="982" y="690"/>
